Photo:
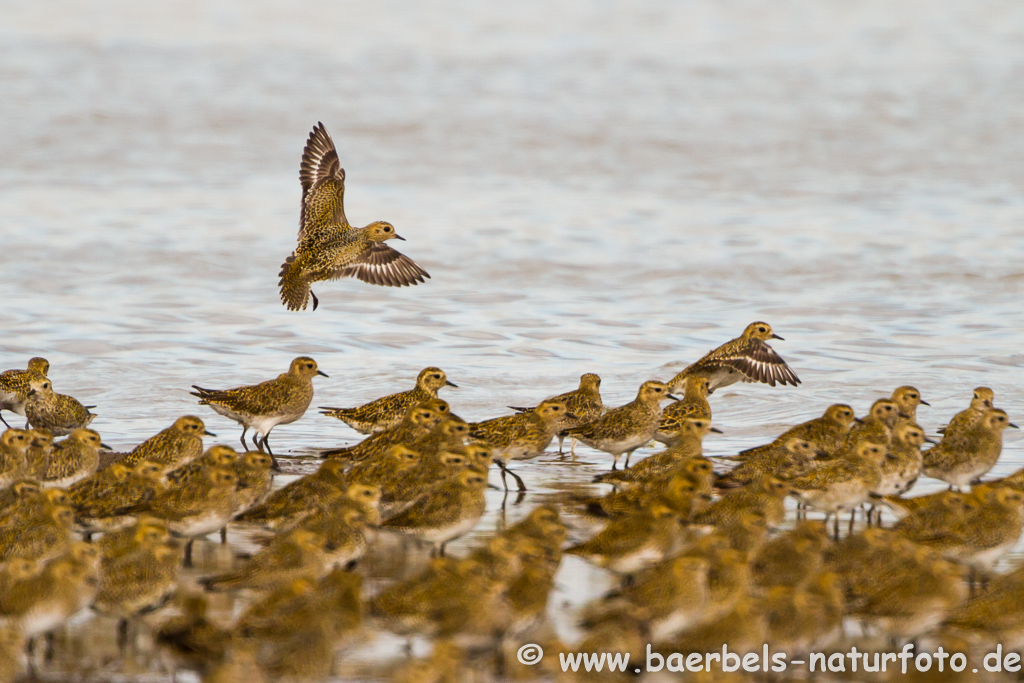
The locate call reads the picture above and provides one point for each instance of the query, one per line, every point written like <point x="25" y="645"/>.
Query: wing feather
<point x="382" y="265"/>
<point x="323" y="183"/>
<point x="757" y="361"/>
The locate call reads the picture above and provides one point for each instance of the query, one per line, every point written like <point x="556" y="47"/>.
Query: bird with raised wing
<point x="329" y="247"/>
<point x="748" y="358"/>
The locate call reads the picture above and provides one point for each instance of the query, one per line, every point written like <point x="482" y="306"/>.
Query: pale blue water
<point x="597" y="187"/>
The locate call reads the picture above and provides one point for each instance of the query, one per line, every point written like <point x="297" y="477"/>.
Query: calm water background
<point x="594" y="186"/>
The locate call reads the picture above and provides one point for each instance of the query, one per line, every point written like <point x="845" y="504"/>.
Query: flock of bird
<point x="700" y="548"/>
<point x="699" y="544"/>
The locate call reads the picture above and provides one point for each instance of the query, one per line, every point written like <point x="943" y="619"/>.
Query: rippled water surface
<point x="594" y="187"/>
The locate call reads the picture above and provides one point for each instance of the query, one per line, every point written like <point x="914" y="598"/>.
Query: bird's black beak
<point x="925" y="403"/>
<point x="820" y="454"/>
<point x="105" y="446"/>
<point x="775" y="336"/>
<point x="31" y="392"/>
<point x="716" y="430"/>
<point x="321" y="372"/>
<point x="571" y="416"/>
<point x="207" y="432"/>
<point x="1013" y="425"/>
<point x="451" y="384"/>
<point x="399" y="237"/>
<point x="674" y="397"/>
<point x="929" y="439"/>
<point x="858" y="420"/>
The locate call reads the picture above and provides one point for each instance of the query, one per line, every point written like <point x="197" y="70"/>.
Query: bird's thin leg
<point x="628" y="455"/>
<point x="245" y="446"/>
<point x="519" y="481"/>
<point x="572" y="448"/>
<point x="266" y="444"/>
<point x="505" y="470"/>
<point x="316" y="302"/>
<point x="4" y="421"/>
<point x="122" y="635"/>
<point x="188" y="552"/>
<point x="224" y="535"/>
<point x="561" y="440"/>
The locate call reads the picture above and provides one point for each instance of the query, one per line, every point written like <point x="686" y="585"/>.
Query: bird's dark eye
<point x="387" y="229"/>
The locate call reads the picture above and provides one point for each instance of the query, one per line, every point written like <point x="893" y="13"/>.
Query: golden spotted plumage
<point x="14" y="385"/>
<point x="388" y="411"/>
<point x="329" y="247"/>
<point x="59" y="413"/>
<point x="583" y="403"/>
<point x="747" y="358"/>
<point x="263" y="406"/>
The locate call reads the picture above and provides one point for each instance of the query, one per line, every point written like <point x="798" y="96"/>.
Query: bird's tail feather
<point x="294" y="285"/>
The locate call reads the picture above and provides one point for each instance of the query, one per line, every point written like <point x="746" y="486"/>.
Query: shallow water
<point x="594" y="187"/>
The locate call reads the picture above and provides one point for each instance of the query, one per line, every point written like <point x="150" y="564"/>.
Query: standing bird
<point x="14" y="386"/>
<point x="444" y="513"/>
<point x="265" y="405"/>
<point x="73" y="459"/>
<point x="965" y="455"/>
<point x="329" y="247"/>
<point x="13" y="445"/>
<point x="827" y="432"/>
<point x="626" y="428"/>
<point x="37" y="457"/>
<point x="59" y="413"/>
<point x="693" y="404"/>
<point x="583" y="403"/>
<point x="178" y="445"/>
<point x="981" y="401"/>
<point x="521" y="436"/>
<point x="417" y="423"/>
<point x="387" y="412"/>
<point x="744" y="359"/>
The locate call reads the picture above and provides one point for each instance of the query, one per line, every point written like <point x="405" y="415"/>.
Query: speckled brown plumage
<point x="60" y="414"/>
<point x="744" y="359"/>
<point x="14" y="385"/>
<point x="417" y="422"/>
<point x="329" y="247"/>
<point x="626" y="428"/>
<point x="388" y="411"/>
<point x="263" y="406"/>
<point x="583" y="403"/>
<point x="693" y="404"/>
<point x="177" y="445"/>
<point x="74" y="458"/>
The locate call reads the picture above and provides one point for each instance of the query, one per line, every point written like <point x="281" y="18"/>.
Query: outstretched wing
<point x="752" y="358"/>
<point x="382" y="265"/>
<point x="760" y="363"/>
<point x="323" y="184"/>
